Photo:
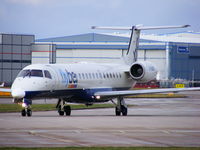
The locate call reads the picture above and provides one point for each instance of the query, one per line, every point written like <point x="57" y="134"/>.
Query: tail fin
<point x="131" y="55"/>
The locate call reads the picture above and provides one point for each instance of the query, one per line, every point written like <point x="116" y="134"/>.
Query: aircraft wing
<point x="111" y="94"/>
<point x="5" y="90"/>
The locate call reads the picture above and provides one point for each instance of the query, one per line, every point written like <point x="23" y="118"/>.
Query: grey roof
<point x="88" y="37"/>
<point x="108" y="46"/>
<point x="110" y="42"/>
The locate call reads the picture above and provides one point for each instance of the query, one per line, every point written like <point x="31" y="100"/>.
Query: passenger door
<point x="50" y="80"/>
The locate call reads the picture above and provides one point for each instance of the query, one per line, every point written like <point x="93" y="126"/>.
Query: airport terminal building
<point x="176" y="56"/>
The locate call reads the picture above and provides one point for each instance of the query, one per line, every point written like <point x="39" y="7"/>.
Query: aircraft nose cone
<point x="18" y="93"/>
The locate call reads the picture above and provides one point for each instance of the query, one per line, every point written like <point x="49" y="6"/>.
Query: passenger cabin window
<point x="97" y="75"/>
<point x="90" y="76"/>
<point x="100" y="75"/>
<point x="47" y="74"/>
<point x="83" y="75"/>
<point x="86" y="75"/>
<point x="113" y="75"/>
<point x="79" y="75"/>
<point x="120" y="75"/>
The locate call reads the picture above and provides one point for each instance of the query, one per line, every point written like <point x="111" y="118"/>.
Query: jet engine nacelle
<point x="143" y="71"/>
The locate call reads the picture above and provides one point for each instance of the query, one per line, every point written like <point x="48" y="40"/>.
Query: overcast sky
<point x="52" y="18"/>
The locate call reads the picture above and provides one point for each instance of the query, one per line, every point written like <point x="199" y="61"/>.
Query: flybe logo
<point x="69" y="78"/>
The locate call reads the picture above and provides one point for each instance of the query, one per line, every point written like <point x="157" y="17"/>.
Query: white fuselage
<point x="75" y="82"/>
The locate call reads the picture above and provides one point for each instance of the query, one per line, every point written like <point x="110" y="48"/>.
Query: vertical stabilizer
<point x="131" y="55"/>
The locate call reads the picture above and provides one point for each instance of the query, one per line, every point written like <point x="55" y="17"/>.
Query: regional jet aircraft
<point x="87" y="83"/>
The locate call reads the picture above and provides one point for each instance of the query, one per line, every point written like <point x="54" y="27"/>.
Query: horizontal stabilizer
<point x="111" y="28"/>
<point x="161" y="27"/>
<point x="139" y="27"/>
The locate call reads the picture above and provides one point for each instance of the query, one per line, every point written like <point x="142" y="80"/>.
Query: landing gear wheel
<point x="23" y="112"/>
<point x="60" y="112"/>
<point x="67" y="110"/>
<point x="29" y="112"/>
<point x="117" y="111"/>
<point x="124" y="110"/>
<point x="121" y="107"/>
<point x="62" y="108"/>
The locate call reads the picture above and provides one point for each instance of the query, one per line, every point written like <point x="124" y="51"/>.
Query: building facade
<point x="15" y="53"/>
<point x="174" y="57"/>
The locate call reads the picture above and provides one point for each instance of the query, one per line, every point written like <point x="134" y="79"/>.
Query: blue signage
<point x="183" y="50"/>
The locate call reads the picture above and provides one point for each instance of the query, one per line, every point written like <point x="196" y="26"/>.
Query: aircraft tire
<point x="117" y="111"/>
<point x="23" y="112"/>
<point x="61" y="113"/>
<point x="124" y="110"/>
<point x="67" y="110"/>
<point x="29" y="112"/>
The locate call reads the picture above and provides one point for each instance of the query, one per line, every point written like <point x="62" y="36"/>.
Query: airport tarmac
<point x="152" y="122"/>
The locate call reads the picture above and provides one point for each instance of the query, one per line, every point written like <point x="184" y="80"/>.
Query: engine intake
<point x="143" y="71"/>
<point x="137" y="71"/>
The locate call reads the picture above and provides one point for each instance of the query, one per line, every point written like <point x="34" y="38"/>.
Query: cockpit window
<point x="36" y="73"/>
<point x="47" y="74"/>
<point x="24" y="73"/>
<point x="30" y="73"/>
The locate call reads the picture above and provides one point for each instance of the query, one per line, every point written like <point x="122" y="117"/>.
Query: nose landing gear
<point x="26" y="111"/>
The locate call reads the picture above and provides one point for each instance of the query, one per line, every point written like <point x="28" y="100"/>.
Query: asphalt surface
<point x="152" y="122"/>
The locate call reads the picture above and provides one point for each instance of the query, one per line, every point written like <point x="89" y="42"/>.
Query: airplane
<point x="88" y="83"/>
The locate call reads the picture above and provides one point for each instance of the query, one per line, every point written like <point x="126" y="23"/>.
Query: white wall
<point x="40" y="54"/>
<point x="87" y="55"/>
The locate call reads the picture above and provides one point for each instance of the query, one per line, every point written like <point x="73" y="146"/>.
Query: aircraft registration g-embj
<point x="88" y="83"/>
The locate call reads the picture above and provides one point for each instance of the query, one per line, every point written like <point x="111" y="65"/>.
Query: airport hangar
<point x="177" y="55"/>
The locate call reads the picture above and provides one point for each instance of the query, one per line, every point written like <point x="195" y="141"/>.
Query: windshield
<point x="24" y="73"/>
<point x="36" y="73"/>
<point x="30" y="73"/>
<point x="47" y="74"/>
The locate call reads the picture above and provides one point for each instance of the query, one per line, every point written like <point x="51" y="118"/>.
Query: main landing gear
<point x="121" y="107"/>
<point x="62" y="108"/>
<point x="26" y="111"/>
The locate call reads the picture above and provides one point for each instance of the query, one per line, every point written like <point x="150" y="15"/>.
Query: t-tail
<point x="131" y="55"/>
